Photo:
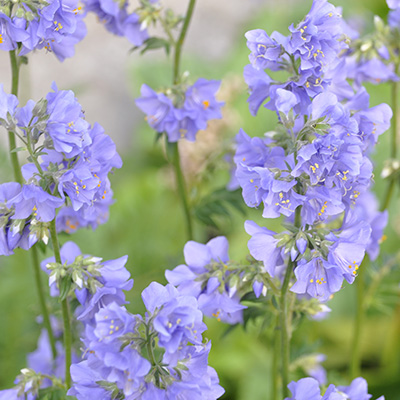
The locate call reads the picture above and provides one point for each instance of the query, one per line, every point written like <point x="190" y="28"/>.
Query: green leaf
<point x="65" y="287"/>
<point x="18" y="149"/>
<point x="154" y="43"/>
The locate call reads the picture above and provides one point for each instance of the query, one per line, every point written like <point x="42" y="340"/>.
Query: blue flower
<point x="199" y="106"/>
<point x="265" y="51"/>
<point x="318" y="278"/>
<point x="34" y="201"/>
<point x="393" y="4"/>
<point x="259" y="87"/>
<point x="11" y="33"/>
<point x="263" y="246"/>
<point x="197" y="278"/>
<point x="305" y="389"/>
<point x="8" y="105"/>
<point x="66" y="125"/>
<point x="115" y="17"/>
<point x="177" y="318"/>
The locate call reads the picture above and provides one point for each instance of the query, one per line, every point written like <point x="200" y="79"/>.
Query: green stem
<point x="355" y="364"/>
<point x="285" y="318"/>
<point x="395" y="95"/>
<point x="32" y="154"/>
<point x="275" y="362"/>
<point x="18" y="177"/>
<point x="285" y="337"/>
<point x="393" y="142"/>
<point x="181" y="39"/>
<point x="11" y="135"/>
<point x="42" y="301"/>
<point x="180" y="181"/>
<point x="64" y="308"/>
<point x="388" y="195"/>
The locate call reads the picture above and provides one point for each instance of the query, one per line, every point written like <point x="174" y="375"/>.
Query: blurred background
<point x="146" y="221"/>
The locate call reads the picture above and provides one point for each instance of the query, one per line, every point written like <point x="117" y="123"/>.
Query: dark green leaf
<point x="154" y="43"/>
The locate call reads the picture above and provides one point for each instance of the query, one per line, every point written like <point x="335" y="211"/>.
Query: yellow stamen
<point x="206" y="104"/>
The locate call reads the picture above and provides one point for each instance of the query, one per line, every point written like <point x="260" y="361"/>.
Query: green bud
<point x="20" y="13"/>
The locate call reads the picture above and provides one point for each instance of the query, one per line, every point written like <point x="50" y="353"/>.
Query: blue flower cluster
<point x="308" y="388"/>
<point x="157" y="357"/>
<point x="206" y="277"/>
<point x="181" y="116"/>
<point x="70" y="163"/>
<point x="55" y="25"/>
<point x="115" y="17"/>
<point x="316" y="164"/>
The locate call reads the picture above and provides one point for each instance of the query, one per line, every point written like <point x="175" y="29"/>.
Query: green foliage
<point x="217" y="205"/>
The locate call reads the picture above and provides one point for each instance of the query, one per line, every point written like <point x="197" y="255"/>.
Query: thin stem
<point x="149" y="346"/>
<point x="181" y="39"/>
<point x="285" y="318"/>
<point x="355" y="364"/>
<point x="285" y="338"/>
<point x="275" y="362"/>
<point x="64" y="308"/>
<point x="388" y="195"/>
<point x="395" y="95"/>
<point x="42" y="301"/>
<point x="393" y="141"/>
<point x="67" y="341"/>
<point x="32" y="154"/>
<point x="11" y="135"/>
<point x="180" y="181"/>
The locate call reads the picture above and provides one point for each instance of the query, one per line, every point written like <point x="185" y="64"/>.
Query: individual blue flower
<point x="200" y="105"/>
<point x="318" y="278"/>
<point x="305" y="389"/>
<point x="85" y="384"/>
<point x="263" y="247"/>
<point x="8" y="105"/>
<point x="259" y="87"/>
<point x="159" y="110"/>
<point x="224" y="306"/>
<point x="34" y="201"/>
<point x="285" y="100"/>
<point x="357" y="390"/>
<point x="265" y="51"/>
<point x="348" y="249"/>
<point x="66" y="125"/>
<point x="11" y="33"/>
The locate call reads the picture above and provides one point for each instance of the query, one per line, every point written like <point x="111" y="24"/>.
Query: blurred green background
<point x="146" y="223"/>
